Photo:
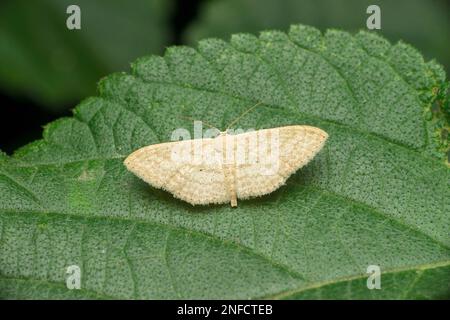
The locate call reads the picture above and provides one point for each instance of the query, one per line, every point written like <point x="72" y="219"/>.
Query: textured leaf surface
<point x="428" y="33"/>
<point x="377" y="194"/>
<point x="55" y="66"/>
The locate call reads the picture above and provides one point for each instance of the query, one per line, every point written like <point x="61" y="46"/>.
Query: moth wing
<point x="279" y="153"/>
<point x="173" y="167"/>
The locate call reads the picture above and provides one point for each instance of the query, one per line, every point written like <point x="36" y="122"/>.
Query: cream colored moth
<point x="228" y="167"/>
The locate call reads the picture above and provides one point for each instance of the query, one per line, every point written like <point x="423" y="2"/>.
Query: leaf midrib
<point x="206" y="235"/>
<point x="281" y="295"/>
<point x="212" y="237"/>
<point x="420" y="267"/>
<point x="324" y="191"/>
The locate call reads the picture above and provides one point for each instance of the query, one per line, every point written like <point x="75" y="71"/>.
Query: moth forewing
<point x="268" y="151"/>
<point x="181" y="152"/>
<point x="210" y="155"/>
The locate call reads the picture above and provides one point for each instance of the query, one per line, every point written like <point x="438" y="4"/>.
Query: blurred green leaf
<point x="423" y="23"/>
<point x="377" y="194"/>
<point x="55" y="66"/>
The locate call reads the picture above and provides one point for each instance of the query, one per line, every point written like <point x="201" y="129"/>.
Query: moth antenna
<point x="242" y="114"/>
<point x="204" y="122"/>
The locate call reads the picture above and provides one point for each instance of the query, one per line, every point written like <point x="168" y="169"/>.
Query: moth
<point x="227" y="167"/>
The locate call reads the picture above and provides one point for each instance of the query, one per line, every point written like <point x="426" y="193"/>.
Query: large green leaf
<point x="378" y="194"/>
<point x="54" y="66"/>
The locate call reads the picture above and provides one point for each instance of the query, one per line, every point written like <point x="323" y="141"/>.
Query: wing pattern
<point x="219" y="170"/>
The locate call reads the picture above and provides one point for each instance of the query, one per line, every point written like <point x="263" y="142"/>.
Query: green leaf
<point x="54" y="66"/>
<point x="426" y="24"/>
<point x="378" y="194"/>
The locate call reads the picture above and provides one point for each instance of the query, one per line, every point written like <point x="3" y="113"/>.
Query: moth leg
<point x="234" y="200"/>
<point x="229" y="172"/>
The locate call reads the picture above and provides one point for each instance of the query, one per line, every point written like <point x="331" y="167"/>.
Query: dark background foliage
<point x="48" y="69"/>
